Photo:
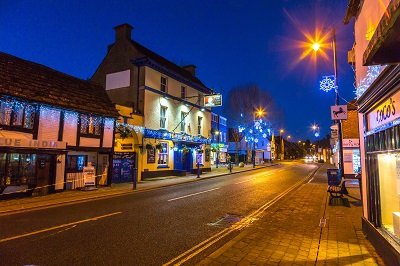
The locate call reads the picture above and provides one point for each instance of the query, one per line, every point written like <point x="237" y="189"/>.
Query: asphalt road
<point x="177" y="224"/>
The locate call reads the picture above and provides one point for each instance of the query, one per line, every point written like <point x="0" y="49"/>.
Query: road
<point x="177" y="224"/>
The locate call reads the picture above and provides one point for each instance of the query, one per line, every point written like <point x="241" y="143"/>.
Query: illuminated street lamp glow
<point x="316" y="46"/>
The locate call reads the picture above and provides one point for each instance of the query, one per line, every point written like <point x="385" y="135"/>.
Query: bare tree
<point x="245" y="101"/>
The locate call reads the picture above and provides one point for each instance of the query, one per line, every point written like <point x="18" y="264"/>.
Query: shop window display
<point x="17" y="169"/>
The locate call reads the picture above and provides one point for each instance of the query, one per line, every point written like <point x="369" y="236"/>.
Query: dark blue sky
<point x="232" y="43"/>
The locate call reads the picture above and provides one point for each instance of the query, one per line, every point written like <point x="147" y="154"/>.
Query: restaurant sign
<point x="32" y="143"/>
<point x="384" y="113"/>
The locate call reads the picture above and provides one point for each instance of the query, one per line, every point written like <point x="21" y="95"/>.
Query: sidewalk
<point x="71" y="196"/>
<point x="303" y="229"/>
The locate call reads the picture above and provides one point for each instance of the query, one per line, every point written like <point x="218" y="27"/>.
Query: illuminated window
<point x="163" y="85"/>
<point x="183" y="121"/>
<point x="20" y="169"/>
<point x="163" y="117"/>
<point x="75" y="163"/>
<point x="199" y="122"/>
<point x="163" y="154"/>
<point x="90" y="125"/>
<point x="17" y="114"/>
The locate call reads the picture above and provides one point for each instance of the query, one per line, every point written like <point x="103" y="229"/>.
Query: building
<point x="219" y="140"/>
<point x="376" y="58"/>
<point x="351" y="142"/>
<point x="52" y="126"/>
<point x="169" y="99"/>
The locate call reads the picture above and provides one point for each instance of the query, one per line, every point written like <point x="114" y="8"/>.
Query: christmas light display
<point x="372" y="73"/>
<point x="327" y="83"/>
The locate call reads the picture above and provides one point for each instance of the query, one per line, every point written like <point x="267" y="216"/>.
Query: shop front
<point x="381" y="121"/>
<point x="28" y="166"/>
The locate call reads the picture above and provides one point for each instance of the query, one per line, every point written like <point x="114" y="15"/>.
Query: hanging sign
<point x="339" y="112"/>
<point x="213" y="100"/>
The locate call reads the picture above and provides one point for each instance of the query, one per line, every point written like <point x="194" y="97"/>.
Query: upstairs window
<point x="17" y="114"/>
<point x="183" y="92"/>
<point x="90" y="125"/>
<point x="199" y="122"/>
<point x="183" y="121"/>
<point x="163" y="85"/>
<point x="163" y="117"/>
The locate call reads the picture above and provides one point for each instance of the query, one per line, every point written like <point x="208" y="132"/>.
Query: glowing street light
<point x="326" y="85"/>
<point x="260" y="113"/>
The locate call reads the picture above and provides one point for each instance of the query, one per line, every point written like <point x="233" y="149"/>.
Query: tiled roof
<point x="167" y="64"/>
<point x="37" y="83"/>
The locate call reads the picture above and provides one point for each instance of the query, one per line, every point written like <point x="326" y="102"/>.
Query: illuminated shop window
<point x="19" y="169"/>
<point x="75" y="163"/>
<point x="163" y="154"/>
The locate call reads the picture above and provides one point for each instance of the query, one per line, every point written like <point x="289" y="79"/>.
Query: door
<point x="45" y="175"/>
<point x="123" y="167"/>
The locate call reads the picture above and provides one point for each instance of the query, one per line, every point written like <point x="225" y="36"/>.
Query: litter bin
<point x="333" y="176"/>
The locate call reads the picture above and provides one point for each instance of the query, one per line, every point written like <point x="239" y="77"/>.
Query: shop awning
<point x="384" y="46"/>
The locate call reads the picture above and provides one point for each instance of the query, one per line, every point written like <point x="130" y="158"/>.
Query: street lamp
<point x="253" y="153"/>
<point x="316" y="47"/>
<point x="281" y="143"/>
<point x="217" y="159"/>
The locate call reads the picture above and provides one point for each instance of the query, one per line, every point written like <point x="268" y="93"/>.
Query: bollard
<point x="198" y="170"/>
<point x="134" y="177"/>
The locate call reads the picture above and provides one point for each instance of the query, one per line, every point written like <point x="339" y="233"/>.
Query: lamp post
<point x="217" y="159"/>
<point x="253" y="153"/>
<point x="281" y="143"/>
<point x="316" y="47"/>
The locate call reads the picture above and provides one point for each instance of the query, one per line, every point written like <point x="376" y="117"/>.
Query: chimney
<point x="123" y="32"/>
<point x="191" y="69"/>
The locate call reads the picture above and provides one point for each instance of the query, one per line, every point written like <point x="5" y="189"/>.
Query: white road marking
<point x="194" y="194"/>
<point x="57" y="227"/>
<point x="248" y="180"/>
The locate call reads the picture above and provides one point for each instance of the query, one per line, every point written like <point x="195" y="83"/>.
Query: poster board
<point x="89" y="175"/>
<point x="151" y="156"/>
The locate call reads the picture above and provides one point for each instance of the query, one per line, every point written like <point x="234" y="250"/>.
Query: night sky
<point x="232" y="43"/>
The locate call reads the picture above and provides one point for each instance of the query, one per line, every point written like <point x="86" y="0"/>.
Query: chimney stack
<point x="123" y="32"/>
<point x="191" y="69"/>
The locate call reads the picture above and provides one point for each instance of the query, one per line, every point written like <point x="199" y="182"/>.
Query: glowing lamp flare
<point x="316" y="46"/>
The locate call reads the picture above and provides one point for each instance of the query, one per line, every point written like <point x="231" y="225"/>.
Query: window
<point x="20" y="169"/>
<point x="17" y="114"/>
<point x="183" y="92"/>
<point x="199" y="121"/>
<point x="223" y="121"/>
<point x="91" y="125"/>
<point x="75" y="163"/>
<point x="163" y="85"/>
<point x="199" y="155"/>
<point x="183" y="121"/>
<point x="163" y="117"/>
<point x="163" y="154"/>
<point x="214" y="118"/>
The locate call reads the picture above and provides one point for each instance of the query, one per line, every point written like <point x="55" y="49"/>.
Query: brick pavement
<point x="294" y="232"/>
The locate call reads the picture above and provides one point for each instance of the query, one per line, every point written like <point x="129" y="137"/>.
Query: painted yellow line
<point x="57" y="227"/>
<point x="194" y="194"/>
<point x="187" y="255"/>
